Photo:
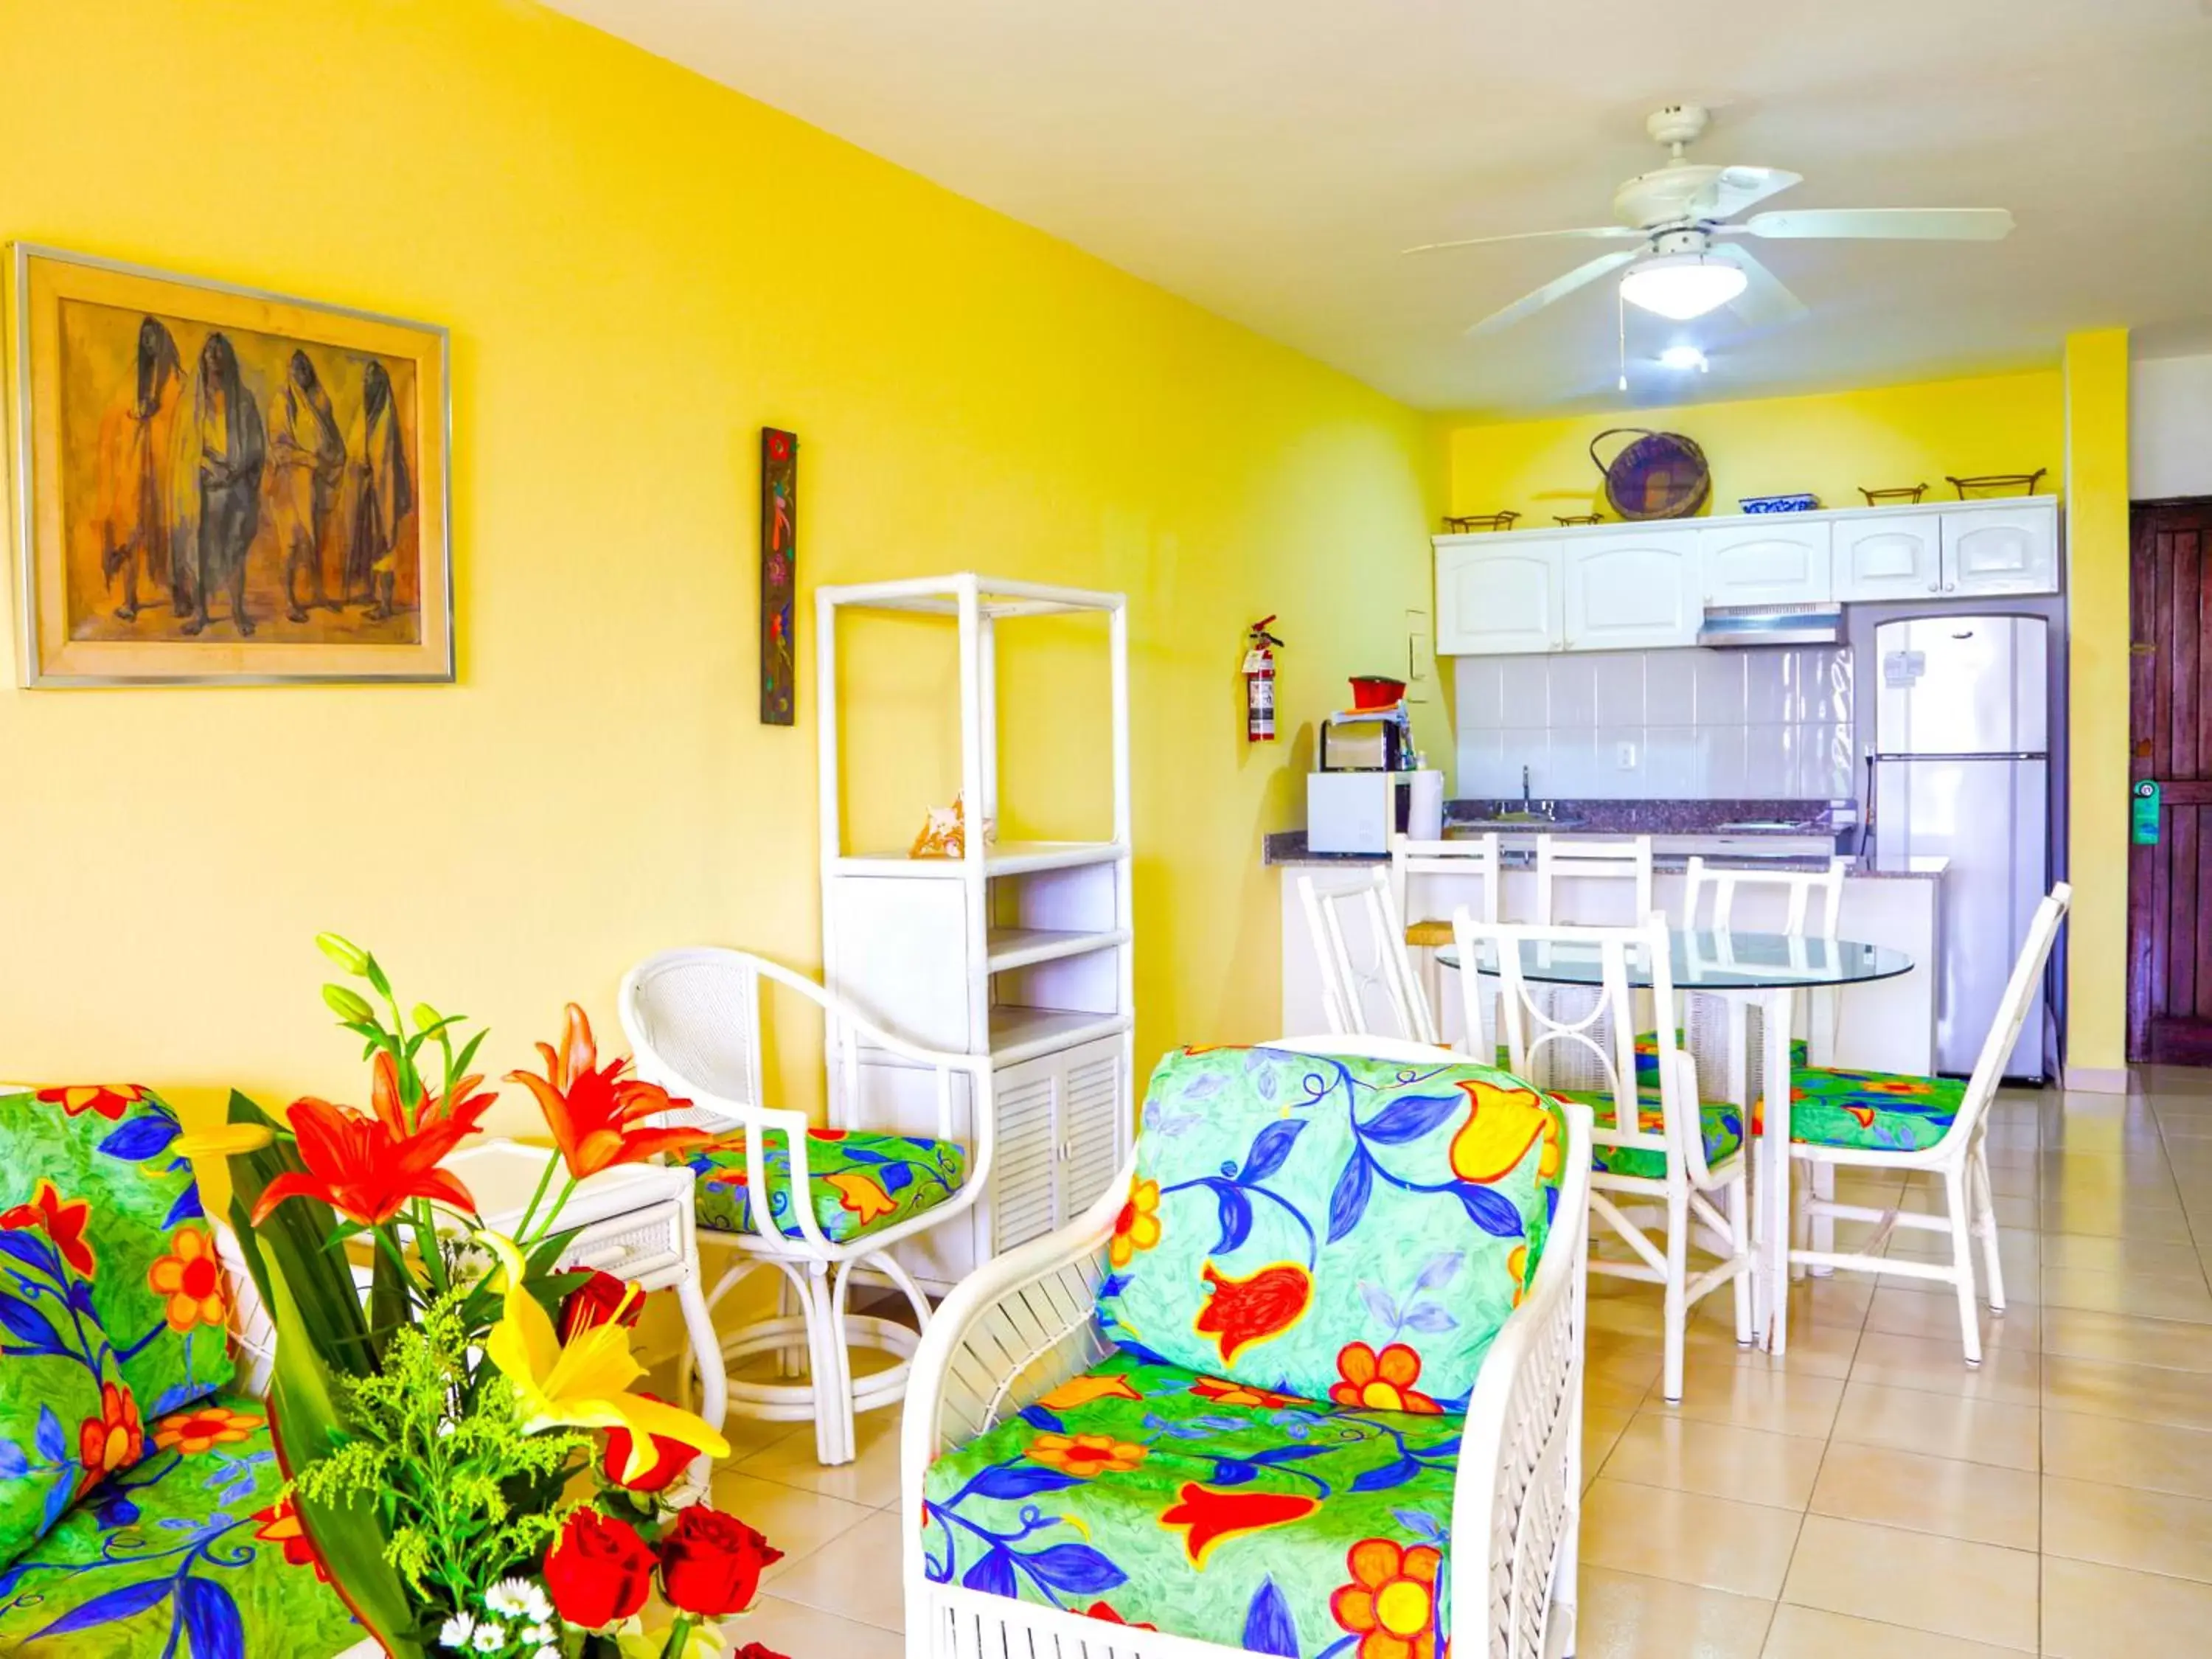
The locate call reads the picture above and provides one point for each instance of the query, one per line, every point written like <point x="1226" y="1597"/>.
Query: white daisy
<point x="542" y="1631"/>
<point x="489" y="1638"/>
<point x="549" y="1651"/>
<point x="456" y="1631"/>
<point x="511" y="1598"/>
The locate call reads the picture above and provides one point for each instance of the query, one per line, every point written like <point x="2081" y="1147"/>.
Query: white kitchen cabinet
<point x="2008" y="550"/>
<point x="1889" y="556"/>
<point x="1498" y="593"/>
<point x="1633" y="589"/>
<point x="1771" y="558"/>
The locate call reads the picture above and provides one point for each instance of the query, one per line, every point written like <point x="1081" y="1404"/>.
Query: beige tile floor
<point x="1868" y="1495"/>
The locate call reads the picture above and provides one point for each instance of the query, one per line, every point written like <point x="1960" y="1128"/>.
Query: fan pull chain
<point x="1621" y="310"/>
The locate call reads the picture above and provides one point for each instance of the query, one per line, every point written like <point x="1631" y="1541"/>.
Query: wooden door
<point x="2170" y="718"/>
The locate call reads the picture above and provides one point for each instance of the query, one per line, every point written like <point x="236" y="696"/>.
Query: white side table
<point x="634" y="1221"/>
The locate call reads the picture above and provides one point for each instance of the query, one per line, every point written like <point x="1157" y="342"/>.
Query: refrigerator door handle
<point x="1959" y="755"/>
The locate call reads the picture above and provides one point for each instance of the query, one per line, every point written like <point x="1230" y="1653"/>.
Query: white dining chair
<point x="1557" y="859"/>
<point x="1428" y="928"/>
<point x="1340" y="909"/>
<point x="1659" y="1151"/>
<point x="820" y="1206"/>
<point x="1813" y="902"/>
<point x="1938" y="1126"/>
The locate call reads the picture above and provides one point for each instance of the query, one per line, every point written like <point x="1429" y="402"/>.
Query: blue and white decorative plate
<point x="1803" y="501"/>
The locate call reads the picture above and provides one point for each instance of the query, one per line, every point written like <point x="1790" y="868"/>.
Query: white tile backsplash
<point x="1703" y="724"/>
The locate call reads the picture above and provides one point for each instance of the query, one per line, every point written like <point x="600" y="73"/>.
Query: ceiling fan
<point x="1681" y="212"/>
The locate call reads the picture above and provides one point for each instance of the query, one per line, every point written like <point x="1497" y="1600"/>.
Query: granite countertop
<point x="1288" y="846"/>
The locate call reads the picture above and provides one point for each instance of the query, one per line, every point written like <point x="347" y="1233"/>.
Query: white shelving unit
<point x="1020" y="951"/>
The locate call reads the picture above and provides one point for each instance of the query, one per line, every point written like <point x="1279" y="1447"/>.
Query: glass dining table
<point x="1766" y="971"/>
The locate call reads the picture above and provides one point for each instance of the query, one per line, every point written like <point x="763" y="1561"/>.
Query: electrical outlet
<point x="1624" y="756"/>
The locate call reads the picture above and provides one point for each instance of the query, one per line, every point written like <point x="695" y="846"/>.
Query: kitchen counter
<point x="1288" y="846"/>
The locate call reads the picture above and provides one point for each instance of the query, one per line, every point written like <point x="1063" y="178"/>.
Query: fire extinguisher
<point x="1260" y="683"/>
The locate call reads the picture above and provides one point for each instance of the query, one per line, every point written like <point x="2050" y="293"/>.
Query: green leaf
<point x="375" y="972"/>
<point x="296" y="1234"/>
<point x="307" y="1421"/>
<point x="468" y="1053"/>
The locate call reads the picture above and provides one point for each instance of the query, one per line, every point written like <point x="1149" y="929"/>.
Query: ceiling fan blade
<point x="1765" y="301"/>
<point x="1738" y="188"/>
<point x="1558" y="288"/>
<point x="1906" y="224"/>
<point x="1603" y="232"/>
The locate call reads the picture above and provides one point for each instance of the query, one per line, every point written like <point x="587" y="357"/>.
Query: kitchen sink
<point x="1516" y="821"/>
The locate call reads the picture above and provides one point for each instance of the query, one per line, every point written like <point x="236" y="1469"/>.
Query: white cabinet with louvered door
<point x="1064" y="1122"/>
<point x="1776" y="558"/>
<point x="1889" y="556"/>
<point x="1095" y="1123"/>
<point x="2013" y="549"/>
<point x="1496" y="594"/>
<point x="1631" y="590"/>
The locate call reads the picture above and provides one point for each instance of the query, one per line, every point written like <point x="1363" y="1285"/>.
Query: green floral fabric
<point x="1288" y="1209"/>
<point x="1722" y="1124"/>
<point x="1149" y="1494"/>
<point x="863" y="1181"/>
<point x="113" y="1304"/>
<point x="192" y="1551"/>
<point x="1886" y="1112"/>
<point x="1647" y="1053"/>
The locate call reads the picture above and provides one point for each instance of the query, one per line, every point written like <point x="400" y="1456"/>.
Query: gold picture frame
<point x="221" y="486"/>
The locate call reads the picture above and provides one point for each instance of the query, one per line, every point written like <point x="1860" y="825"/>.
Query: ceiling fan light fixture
<point x="1681" y="286"/>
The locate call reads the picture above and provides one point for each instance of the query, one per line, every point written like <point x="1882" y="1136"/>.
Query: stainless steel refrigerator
<point x="1961" y="770"/>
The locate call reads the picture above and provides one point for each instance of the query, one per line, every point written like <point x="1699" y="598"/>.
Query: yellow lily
<point x="585" y="1384"/>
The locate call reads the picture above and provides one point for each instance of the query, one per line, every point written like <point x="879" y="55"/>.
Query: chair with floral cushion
<point x="693" y="1021"/>
<point x="141" y="1506"/>
<point x="1658" y="1147"/>
<point x="1308" y="1381"/>
<point x="1933" y="1125"/>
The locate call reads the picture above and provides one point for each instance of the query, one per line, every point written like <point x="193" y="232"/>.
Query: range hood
<point x="1742" y="627"/>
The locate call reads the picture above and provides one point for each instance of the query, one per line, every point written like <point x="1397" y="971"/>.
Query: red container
<point x="1375" y="691"/>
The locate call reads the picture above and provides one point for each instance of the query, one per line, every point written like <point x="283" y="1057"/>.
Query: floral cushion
<point x="863" y="1181"/>
<point x="1288" y="1208"/>
<point x="1148" y="1494"/>
<point x="192" y="1551"/>
<point x="1886" y="1111"/>
<point x="96" y="1213"/>
<point x="1647" y="1053"/>
<point x="1723" y="1125"/>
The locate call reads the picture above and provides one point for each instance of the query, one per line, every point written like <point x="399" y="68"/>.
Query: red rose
<point x="670" y="1457"/>
<point x="597" y="1299"/>
<point x="599" y="1571"/>
<point x="756" y="1650"/>
<point x="711" y="1562"/>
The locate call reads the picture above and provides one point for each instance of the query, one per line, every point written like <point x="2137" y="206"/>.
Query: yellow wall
<point x="1833" y="444"/>
<point x="639" y="269"/>
<point x="2097" y="589"/>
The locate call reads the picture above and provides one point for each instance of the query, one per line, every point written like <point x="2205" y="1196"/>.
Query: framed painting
<point x="222" y="486"/>
<point x="779" y="552"/>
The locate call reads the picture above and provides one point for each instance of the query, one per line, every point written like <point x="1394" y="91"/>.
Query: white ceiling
<point x="1267" y="158"/>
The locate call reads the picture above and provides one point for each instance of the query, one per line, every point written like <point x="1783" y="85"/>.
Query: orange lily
<point x="591" y="1107"/>
<point x="367" y="1167"/>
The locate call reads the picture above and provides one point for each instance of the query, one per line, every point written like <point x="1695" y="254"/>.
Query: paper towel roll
<point x="1424" y="812"/>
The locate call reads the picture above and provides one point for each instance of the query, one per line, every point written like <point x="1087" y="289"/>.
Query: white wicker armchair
<point x="1024" y="1323"/>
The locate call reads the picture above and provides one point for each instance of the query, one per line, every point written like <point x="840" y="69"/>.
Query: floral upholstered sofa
<point x="141" y="1515"/>
<point x="1306" y="1384"/>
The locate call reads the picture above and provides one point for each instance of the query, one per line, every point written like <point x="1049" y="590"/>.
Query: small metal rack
<point x="1569" y="520"/>
<point x="1900" y="496"/>
<point x="1456" y="525"/>
<point x="1998" y="483"/>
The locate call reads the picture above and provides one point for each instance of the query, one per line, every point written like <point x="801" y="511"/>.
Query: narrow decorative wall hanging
<point x="220" y="485"/>
<point x="779" y="660"/>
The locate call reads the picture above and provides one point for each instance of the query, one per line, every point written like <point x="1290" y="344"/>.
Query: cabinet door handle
<point x="1935" y="588"/>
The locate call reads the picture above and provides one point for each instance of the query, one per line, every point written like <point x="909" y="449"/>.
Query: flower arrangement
<point x="470" y="1461"/>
